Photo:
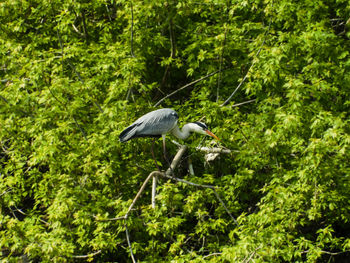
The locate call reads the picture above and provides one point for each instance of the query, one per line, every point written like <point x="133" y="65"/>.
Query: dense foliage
<point x="74" y="74"/>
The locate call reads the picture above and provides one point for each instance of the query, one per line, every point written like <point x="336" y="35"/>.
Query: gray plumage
<point x="153" y="124"/>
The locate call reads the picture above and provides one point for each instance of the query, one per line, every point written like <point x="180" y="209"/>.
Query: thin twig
<point x="84" y="25"/>
<point x="129" y="244"/>
<point x="80" y="128"/>
<point x="62" y="52"/>
<point x="186" y="86"/>
<point x="246" y="75"/>
<point x="8" y="190"/>
<point x="83" y="82"/>
<point x="154" y="191"/>
<point x="74" y="69"/>
<point x="109" y="219"/>
<point x="187" y="182"/>
<point x="220" y="66"/>
<point x="223" y="204"/>
<point x="4" y="99"/>
<point x="214" y="150"/>
<point x="328" y="252"/>
<point x="76" y="30"/>
<point x="88" y="255"/>
<point x="242" y="103"/>
<point x="154" y="173"/>
<point x="252" y="254"/>
<point x="109" y="16"/>
<point x="131" y="50"/>
<point x="212" y="254"/>
<point x="132" y="31"/>
<point x="25" y="214"/>
<point x="64" y="104"/>
<point x="172" y="52"/>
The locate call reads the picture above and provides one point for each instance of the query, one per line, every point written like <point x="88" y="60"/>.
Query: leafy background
<point x="74" y="74"/>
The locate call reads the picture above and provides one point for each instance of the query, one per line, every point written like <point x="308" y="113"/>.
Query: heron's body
<point x="153" y="124"/>
<point x="160" y="122"/>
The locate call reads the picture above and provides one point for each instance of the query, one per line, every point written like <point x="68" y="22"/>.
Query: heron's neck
<point x="182" y="134"/>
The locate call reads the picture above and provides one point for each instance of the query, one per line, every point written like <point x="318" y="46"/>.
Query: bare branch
<point x="129" y="244"/>
<point x="8" y="190"/>
<point x="328" y="252"/>
<point x="252" y="254"/>
<point x="223" y="204"/>
<point x="212" y="254"/>
<point x="220" y="66"/>
<point x="83" y="82"/>
<point x="176" y="159"/>
<point x="88" y="255"/>
<point x="172" y="52"/>
<point x="186" y="86"/>
<point x="132" y="31"/>
<point x="242" y="103"/>
<point x="109" y="16"/>
<point x="334" y="253"/>
<point x="77" y="30"/>
<point x="154" y="173"/>
<point x="4" y="99"/>
<point x="214" y="150"/>
<point x="154" y="191"/>
<point x="169" y="175"/>
<point x="246" y="75"/>
<point x="84" y="25"/>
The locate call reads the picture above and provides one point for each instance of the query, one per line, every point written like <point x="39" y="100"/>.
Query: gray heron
<point x="160" y="122"/>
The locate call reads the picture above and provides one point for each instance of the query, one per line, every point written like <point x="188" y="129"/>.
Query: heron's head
<point x="202" y="128"/>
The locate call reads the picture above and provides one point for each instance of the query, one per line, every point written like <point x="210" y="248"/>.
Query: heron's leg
<point x="165" y="152"/>
<point x="154" y="158"/>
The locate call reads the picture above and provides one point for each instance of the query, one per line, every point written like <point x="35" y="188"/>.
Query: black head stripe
<point x="201" y="124"/>
<point x="175" y="115"/>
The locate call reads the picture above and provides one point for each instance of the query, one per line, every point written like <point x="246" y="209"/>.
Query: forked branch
<point x="169" y="174"/>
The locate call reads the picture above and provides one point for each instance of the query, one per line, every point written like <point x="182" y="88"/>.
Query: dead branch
<point x="154" y="173"/>
<point x="77" y="30"/>
<point x="170" y="170"/>
<point x="186" y="86"/>
<point x="86" y="35"/>
<point x="129" y="244"/>
<point x="220" y="66"/>
<point x="246" y="75"/>
<point x="172" y="52"/>
<point x="242" y="103"/>
<point x="88" y="255"/>
<point x="213" y="150"/>
<point x="132" y="31"/>
<point x="212" y="254"/>
<point x="169" y="175"/>
<point x="252" y="255"/>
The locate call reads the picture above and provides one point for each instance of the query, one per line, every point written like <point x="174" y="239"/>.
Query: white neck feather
<point x="186" y="131"/>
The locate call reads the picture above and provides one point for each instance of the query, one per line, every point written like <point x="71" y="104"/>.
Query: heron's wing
<point x="152" y="124"/>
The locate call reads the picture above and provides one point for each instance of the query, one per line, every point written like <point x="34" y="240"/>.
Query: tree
<point x="270" y="78"/>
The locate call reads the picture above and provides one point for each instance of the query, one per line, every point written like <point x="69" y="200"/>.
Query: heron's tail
<point x="128" y="133"/>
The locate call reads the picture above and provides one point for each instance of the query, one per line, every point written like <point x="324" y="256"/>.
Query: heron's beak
<point x="212" y="134"/>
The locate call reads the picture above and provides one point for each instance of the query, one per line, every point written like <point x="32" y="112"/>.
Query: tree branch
<point x="129" y="244"/>
<point x="242" y="103"/>
<point x="132" y="31"/>
<point x="186" y="86"/>
<point x="212" y="254"/>
<point x="88" y="255"/>
<point x="214" y="150"/>
<point x="220" y="65"/>
<point x="246" y="75"/>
